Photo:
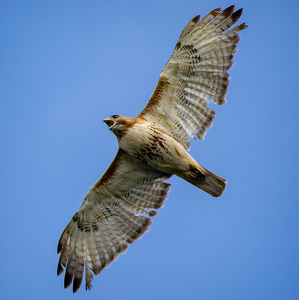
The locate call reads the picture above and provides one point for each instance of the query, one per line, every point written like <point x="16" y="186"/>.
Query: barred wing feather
<point x="109" y="218"/>
<point x="196" y="71"/>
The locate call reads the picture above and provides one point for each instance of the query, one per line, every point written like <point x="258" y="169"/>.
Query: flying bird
<point x="152" y="147"/>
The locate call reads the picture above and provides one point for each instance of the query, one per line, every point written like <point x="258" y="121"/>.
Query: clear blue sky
<point x="64" y="66"/>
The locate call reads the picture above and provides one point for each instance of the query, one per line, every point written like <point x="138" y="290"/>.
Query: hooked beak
<point x="109" y="122"/>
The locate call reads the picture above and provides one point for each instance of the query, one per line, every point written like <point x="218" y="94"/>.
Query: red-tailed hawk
<point x="152" y="147"/>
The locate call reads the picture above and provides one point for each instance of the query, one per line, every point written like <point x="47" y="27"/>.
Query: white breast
<point x="151" y="145"/>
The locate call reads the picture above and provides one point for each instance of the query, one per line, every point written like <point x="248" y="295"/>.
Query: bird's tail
<point x="204" y="179"/>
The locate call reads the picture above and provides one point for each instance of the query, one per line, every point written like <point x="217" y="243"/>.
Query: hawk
<point x="152" y="147"/>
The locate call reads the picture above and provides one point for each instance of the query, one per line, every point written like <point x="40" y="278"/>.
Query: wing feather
<point x="196" y="72"/>
<point x="110" y="218"/>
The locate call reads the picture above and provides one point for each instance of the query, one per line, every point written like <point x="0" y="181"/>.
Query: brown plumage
<point x="152" y="147"/>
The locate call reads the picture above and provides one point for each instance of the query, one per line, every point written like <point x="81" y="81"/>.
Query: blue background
<point x="64" y="66"/>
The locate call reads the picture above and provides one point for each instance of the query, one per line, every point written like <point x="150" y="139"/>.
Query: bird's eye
<point x="115" y="116"/>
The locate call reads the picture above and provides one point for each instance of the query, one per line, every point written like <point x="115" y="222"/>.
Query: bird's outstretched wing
<point x="109" y="218"/>
<point x="196" y="70"/>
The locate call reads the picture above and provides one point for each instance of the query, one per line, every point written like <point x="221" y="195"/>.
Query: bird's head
<point x="111" y="121"/>
<point x="118" y="124"/>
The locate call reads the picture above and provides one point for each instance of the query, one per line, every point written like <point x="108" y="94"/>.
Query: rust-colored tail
<point x="204" y="179"/>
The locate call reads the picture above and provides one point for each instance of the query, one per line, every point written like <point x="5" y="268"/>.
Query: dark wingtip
<point x="76" y="284"/>
<point x="152" y="213"/>
<point x="68" y="280"/>
<point x="228" y="11"/>
<point x="59" y="269"/>
<point x="243" y="26"/>
<point x="59" y="248"/>
<point x="215" y="11"/>
<point x="196" y="19"/>
<point x="237" y="14"/>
